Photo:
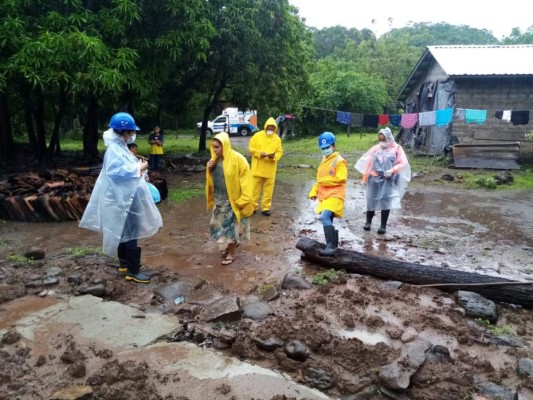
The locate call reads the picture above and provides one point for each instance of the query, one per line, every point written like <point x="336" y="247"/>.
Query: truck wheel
<point x="209" y="132"/>
<point x="244" y="131"/>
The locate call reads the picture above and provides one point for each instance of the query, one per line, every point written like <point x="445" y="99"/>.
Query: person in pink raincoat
<point x="386" y="173"/>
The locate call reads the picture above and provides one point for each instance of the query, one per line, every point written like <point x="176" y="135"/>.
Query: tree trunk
<point x="55" y="146"/>
<point x="38" y="112"/>
<point x="418" y="274"/>
<point x="6" y="131"/>
<point x="90" y="129"/>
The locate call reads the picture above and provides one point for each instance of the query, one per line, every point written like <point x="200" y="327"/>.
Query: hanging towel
<point x="426" y="118"/>
<point x="520" y="117"/>
<point x="370" y="120"/>
<point x="498" y="114"/>
<point x="395" y="119"/>
<point x="383" y="119"/>
<point x="357" y="119"/>
<point x="460" y="113"/>
<point x="409" y="120"/>
<point x="344" y="117"/>
<point x="475" y="116"/>
<point x="506" y="115"/>
<point x="444" y="117"/>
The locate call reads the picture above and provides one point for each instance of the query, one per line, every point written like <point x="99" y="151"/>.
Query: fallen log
<point x="383" y="268"/>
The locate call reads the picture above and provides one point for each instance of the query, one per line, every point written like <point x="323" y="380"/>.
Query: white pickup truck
<point x="233" y="121"/>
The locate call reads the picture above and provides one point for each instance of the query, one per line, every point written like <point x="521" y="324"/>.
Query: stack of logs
<point x="57" y="196"/>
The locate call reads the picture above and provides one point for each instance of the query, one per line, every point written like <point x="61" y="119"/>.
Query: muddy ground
<point x="351" y="328"/>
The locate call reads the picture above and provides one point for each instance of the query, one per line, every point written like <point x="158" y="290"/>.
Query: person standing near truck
<point x="266" y="150"/>
<point x="155" y="140"/>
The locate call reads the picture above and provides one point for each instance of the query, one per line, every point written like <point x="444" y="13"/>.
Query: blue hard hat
<point x="123" y="122"/>
<point x="326" y="139"/>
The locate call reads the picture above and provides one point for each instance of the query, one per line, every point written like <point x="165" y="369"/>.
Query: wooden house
<point x="495" y="78"/>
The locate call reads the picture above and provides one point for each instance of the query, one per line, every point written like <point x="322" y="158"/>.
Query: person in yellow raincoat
<point x="265" y="148"/>
<point x="330" y="190"/>
<point x="229" y="195"/>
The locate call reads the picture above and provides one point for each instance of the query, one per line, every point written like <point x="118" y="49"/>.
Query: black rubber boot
<point x="335" y="239"/>
<point x="329" y="233"/>
<point x="369" y="216"/>
<point x="134" y="266"/>
<point x="384" y="218"/>
<point x="122" y="262"/>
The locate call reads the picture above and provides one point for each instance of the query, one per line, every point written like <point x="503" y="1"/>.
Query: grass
<point x="180" y="195"/>
<point x="324" y="278"/>
<point x="304" y="151"/>
<point x="19" y="259"/>
<point x="494" y="330"/>
<point x="83" y="251"/>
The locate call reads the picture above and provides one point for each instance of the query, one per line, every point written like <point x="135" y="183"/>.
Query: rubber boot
<point x="335" y="239"/>
<point x="384" y="218"/>
<point x="329" y="233"/>
<point x="369" y="216"/>
<point x="122" y="262"/>
<point x="134" y="266"/>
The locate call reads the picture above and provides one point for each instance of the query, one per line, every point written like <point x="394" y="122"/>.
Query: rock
<point x="271" y="293"/>
<point x="448" y="177"/>
<point x="438" y="354"/>
<point x="392" y="284"/>
<point x="74" y="278"/>
<point x="292" y="281"/>
<point x="73" y="393"/>
<point x="33" y="283"/>
<point x="271" y="344"/>
<point x="35" y="253"/>
<point x="181" y="288"/>
<point x="77" y="370"/>
<point x="397" y="375"/>
<point x="476" y="306"/>
<point x="525" y="367"/>
<point x="318" y="378"/>
<point x="494" y="391"/>
<point x="508" y="340"/>
<point x="96" y="290"/>
<point x="10" y="337"/>
<point x="223" y="309"/>
<point x="503" y="178"/>
<point x="256" y="311"/>
<point x="296" y="350"/>
<point x="54" y="271"/>
<point x="52" y="280"/>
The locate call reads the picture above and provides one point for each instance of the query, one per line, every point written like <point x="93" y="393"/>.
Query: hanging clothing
<point x="383" y="119"/>
<point x="344" y="117"/>
<point x="409" y="120"/>
<point x="357" y="119"/>
<point x="475" y="116"/>
<point x="370" y="121"/>
<point x="444" y="117"/>
<point x="506" y="115"/>
<point x="460" y="114"/>
<point x="395" y="119"/>
<point x="427" y="118"/>
<point x="520" y="117"/>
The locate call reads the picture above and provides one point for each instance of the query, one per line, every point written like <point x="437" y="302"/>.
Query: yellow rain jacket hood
<point x="270" y="144"/>
<point x="237" y="177"/>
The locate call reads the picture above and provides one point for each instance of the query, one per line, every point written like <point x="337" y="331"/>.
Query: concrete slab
<point x="90" y="318"/>
<point x="210" y="368"/>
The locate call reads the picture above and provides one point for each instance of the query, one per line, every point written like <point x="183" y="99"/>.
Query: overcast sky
<point x="500" y="18"/>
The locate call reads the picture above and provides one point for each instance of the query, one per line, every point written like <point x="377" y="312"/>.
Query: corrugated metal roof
<point x="484" y="60"/>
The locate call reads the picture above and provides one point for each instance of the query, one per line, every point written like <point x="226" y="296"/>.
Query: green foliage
<point x="83" y="251"/>
<point x="494" y="330"/>
<point x="486" y="182"/>
<point x="324" y="278"/>
<point x="180" y="195"/>
<point x="19" y="259"/>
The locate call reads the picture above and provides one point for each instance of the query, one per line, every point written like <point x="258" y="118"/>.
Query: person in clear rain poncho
<point x="386" y="172"/>
<point x="121" y="206"/>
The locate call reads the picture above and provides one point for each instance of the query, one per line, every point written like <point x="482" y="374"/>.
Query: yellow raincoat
<point x="330" y="188"/>
<point x="261" y="142"/>
<point x="237" y="177"/>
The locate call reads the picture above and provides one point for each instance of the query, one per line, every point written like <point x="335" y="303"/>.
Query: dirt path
<point x="352" y="327"/>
